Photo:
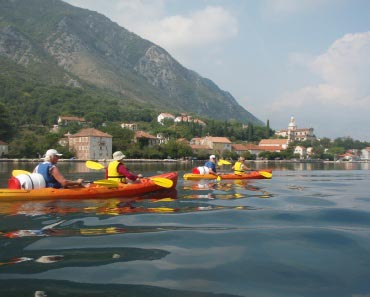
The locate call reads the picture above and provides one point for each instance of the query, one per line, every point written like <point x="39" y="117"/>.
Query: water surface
<point x="305" y="232"/>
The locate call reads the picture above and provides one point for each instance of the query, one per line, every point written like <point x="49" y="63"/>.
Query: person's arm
<point x="63" y="181"/>
<point x="245" y="167"/>
<point x="124" y="171"/>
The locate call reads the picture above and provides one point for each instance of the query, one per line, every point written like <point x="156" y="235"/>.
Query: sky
<point x="278" y="58"/>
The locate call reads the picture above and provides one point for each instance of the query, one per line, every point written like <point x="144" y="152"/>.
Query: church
<point x="295" y="134"/>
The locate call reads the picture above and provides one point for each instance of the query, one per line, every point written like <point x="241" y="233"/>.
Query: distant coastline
<point x="23" y="160"/>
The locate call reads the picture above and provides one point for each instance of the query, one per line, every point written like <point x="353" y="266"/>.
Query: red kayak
<point x="92" y="191"/>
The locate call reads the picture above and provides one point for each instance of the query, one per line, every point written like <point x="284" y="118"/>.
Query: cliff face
<point x="73" y="46"/>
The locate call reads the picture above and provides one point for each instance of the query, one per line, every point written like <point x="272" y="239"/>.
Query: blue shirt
<point x="211" y="165"/>
<point x="44" y="169"/>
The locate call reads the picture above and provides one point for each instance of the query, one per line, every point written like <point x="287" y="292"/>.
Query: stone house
<point x="91" y="144"/>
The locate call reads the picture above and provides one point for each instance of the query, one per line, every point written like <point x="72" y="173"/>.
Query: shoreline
<point x="175" y="161"/>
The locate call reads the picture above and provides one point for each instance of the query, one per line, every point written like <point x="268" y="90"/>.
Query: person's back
<point x="239" y="166"/>
<point x="51" y="174"/>
<point x="117" y="170"/>
<point x="211" y="165"/>
<point x="45" y="169"/>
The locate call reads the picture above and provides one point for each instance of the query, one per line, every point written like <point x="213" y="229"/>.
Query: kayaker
<point x="211" y="165"/>
<point x="240" y="167"/>
<point x="117" y="170"/>
<point x="50" y="172"/>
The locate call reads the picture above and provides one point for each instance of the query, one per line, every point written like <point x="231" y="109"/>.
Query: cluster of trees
<point x="33" y="140"/>
<point x="29" y="109"/>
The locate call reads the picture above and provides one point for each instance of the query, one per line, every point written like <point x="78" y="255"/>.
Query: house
<point x="145" y="139"/>
<point x="163" y="139"/>
<point x="130" y="126"/>
<point x="211" y="144"/>
<point x="64" y="120"/>
<point x="188" y="119"/>
<point x="365" y="153"/>
<point x="199" y="122"/>
<point x="183" y="118"/>
<point x="239" y="148"/>
<point x="165" y="116"/>
<point x="246" y="147"/>
<point x="274" y="144"/>
<point x="295" y="134"/>
<point x="347" y="156"/>
<point x="91" y="143"/>
<point x="4" y="148"/>
<point x="301" y="151"/>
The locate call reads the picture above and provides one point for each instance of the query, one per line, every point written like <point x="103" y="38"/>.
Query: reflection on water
<point x="302" y="233"/>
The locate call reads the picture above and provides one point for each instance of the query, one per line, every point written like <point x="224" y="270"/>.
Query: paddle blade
<point x="223" y="162"/>
<point x="162" y="182"/>
<point x="94" y="165"/>
<point x="265" y="174"/>
<point x="107" y="183"/>
<point x="17" y="172"/>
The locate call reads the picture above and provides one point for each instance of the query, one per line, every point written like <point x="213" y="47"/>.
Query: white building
<point x="165" y="116"/>
<point x="301" y="151"/>
<point x="4" y="148"/>
<point x="295" y="134"/>
<point x="130" y="126"/>
<point x="365" y="153"/>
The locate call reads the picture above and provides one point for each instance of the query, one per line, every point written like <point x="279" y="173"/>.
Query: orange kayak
<point x="261" y="174"/>
<point x="93" y="191"/>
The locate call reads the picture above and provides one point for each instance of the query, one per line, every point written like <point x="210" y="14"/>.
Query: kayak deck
<point x="92" y="191"/>
<point x="261" y="174"/>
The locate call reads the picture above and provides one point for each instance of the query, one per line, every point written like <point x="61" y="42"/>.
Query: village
<point x="91" y="143"/>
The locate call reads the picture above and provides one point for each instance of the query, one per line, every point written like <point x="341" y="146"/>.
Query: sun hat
<point x="212" y="157"/>
<point x="52" y="152"/>
<point x="118" y="156"/>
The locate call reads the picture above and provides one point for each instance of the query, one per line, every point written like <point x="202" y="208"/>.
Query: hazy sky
<point x="279" y="58"/>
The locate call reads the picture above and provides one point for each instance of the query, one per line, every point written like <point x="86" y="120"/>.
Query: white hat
<point x="212" y="157"/>
<point x="118" y="156"/>
<point x="52" y="152"/>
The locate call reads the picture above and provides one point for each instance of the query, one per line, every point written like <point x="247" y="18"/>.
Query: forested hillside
<point x="58" y="59"/>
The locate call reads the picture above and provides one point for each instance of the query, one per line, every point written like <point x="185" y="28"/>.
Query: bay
<point x="305" y="232"/>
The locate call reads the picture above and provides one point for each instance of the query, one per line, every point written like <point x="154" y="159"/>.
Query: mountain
<point x="56" y="44"/>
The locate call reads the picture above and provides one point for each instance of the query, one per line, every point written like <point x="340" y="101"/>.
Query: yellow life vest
<point x="113" y="173"/>
<point x="238" y="168"/>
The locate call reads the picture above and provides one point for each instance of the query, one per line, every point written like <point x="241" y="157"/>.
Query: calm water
<point x="305" y="232"/>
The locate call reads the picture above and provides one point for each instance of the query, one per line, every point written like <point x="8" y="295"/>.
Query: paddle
<point x="16" y="172"/>
<point x="94" y="165"/>
<point x="159" y="181"/>
<point x="106" y="183"/>
<point x="223" y="162"/>
<point x="265" y="174"/>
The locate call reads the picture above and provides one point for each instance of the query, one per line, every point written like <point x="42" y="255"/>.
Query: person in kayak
<point x="117" y="170"/>
<point x="211" y="165"/>
<point x="50" y="172"/>
<point x="240" y="167"/>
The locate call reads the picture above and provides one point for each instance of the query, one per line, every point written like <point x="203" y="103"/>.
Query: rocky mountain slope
<point x="64" y="45"/>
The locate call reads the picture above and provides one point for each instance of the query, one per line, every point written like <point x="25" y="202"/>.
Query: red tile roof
<point x="90" y="132"/>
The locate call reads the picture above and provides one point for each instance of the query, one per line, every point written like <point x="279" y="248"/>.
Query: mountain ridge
<point x="77" y="47"/>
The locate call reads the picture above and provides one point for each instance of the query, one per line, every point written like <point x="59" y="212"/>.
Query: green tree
<point x="6" y="128"/>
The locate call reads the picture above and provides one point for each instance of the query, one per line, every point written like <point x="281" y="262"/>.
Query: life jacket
<point x="238" y="168"/>
<point x="44" y="169"/>
<point x="113" y="173"/>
